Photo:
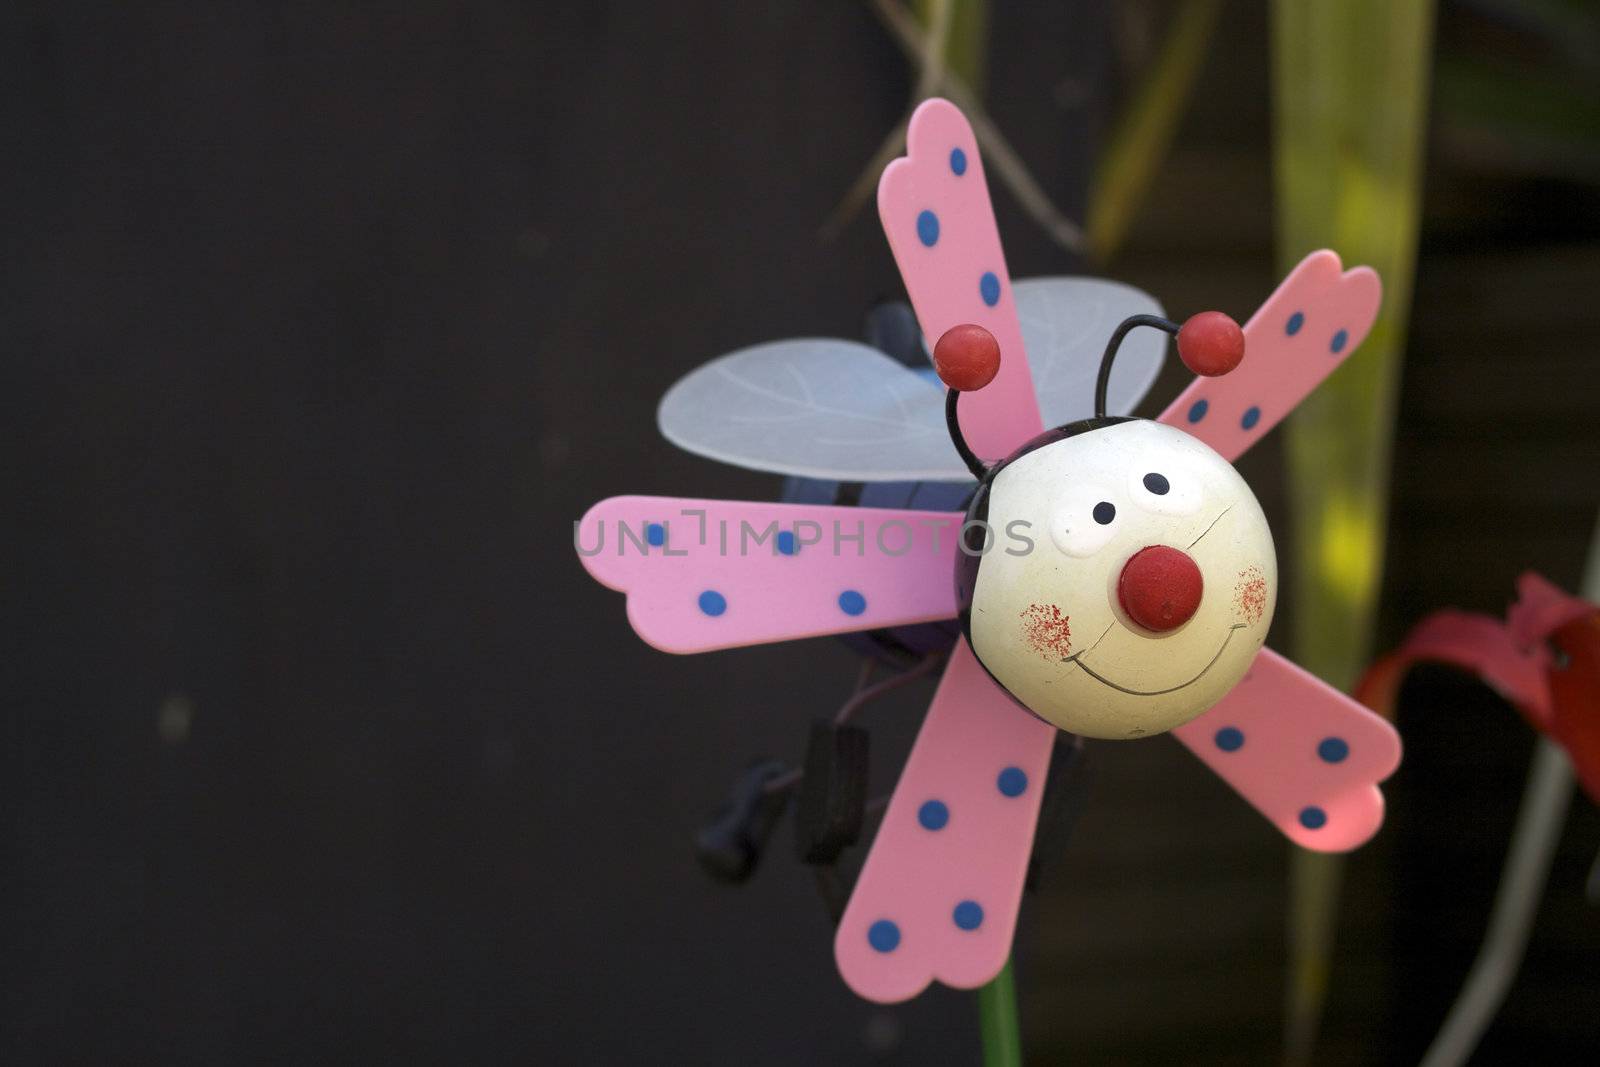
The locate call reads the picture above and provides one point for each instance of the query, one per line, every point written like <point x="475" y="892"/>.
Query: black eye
<point x="1104" y="512"/>
<point x="1156" y="484"/>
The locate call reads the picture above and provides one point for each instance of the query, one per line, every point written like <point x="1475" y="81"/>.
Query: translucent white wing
<point x="814" y="408"/>
<point x="1066" y="323"/>
<point x="840" y="410"/>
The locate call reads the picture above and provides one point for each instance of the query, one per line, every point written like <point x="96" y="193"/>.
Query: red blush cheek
<point x="1046" y="631"/>
<point x="1250" y="595"/>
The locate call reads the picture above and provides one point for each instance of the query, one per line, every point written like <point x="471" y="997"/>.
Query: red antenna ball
<point x="1210" y="344"/>
<point x="967" y="357"/>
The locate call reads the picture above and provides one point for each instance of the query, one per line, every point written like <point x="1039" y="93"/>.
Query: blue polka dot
<point x="787" y="543"/>
<point x="1230" y="739"/>
<point x="1313" y="818"/>
<point x="656" y="534"/>
<point x="1296" y="321"/>
<point x="1340" y="339"/>
<point x="1333" y="750"/>
<point x="713" y="603"/>
<point x="1012" y="781"/>
<point x="1250" y="419"/>
<point x="958" y="161"/>
<point x="852" y="602"/>
<point x="933" y="815"/>
<point x="1198" y="409"/>
<point x="928" y="228"/>
<point x="989" y="288"/>
<point x="968" y="915"/>
<point x="883" y="935"/>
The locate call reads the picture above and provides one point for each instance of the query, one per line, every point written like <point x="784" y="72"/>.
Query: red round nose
<point x="1160" y="588"/>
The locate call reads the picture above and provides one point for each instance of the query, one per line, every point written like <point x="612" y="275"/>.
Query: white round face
<point x="1053" y="623"/>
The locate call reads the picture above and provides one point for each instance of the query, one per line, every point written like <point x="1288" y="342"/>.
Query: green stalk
<point x="1351" y="92"/>
<point x="964" y="54"/>
<point x="968" y="39"/>
<point x="965" y="23"/>
<point x="1145" y="129"/>
<point x="997" y="1019"/>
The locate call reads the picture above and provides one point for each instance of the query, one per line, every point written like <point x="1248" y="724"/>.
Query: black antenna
<point x="966" y="357"/>
<point x="1104" y="382"/>
<point x="969" y="457"/>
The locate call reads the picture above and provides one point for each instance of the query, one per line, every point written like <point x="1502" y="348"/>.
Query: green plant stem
<point x="1351" y="81"/>
<point x="1144" y="130"/>
<point x="965" y="36"/>
<point x="997" y="1019"/>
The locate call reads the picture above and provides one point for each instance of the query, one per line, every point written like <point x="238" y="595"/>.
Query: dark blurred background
<point x="322" y="322"/>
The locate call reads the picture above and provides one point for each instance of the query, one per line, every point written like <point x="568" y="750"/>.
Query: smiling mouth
<point x="1103" y="680"/>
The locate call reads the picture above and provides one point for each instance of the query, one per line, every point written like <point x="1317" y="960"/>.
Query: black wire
<point x="1103" y="384"/>
<point x="970" y="458"/>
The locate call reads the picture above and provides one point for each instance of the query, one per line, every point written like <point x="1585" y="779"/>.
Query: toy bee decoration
<point x="1113" y="577"/>
<point x="1157" y="565"/>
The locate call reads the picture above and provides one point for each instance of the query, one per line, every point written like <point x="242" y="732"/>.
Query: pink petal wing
<point x="709" y="574"/>
<point x="1310" y="325"/>
<point x="1307" y="756"/>
<point x="938" y="895"/>
<point x="935" y="208"/>
<point x="1542" y="608"/>
<point x="1476" y="643"/>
